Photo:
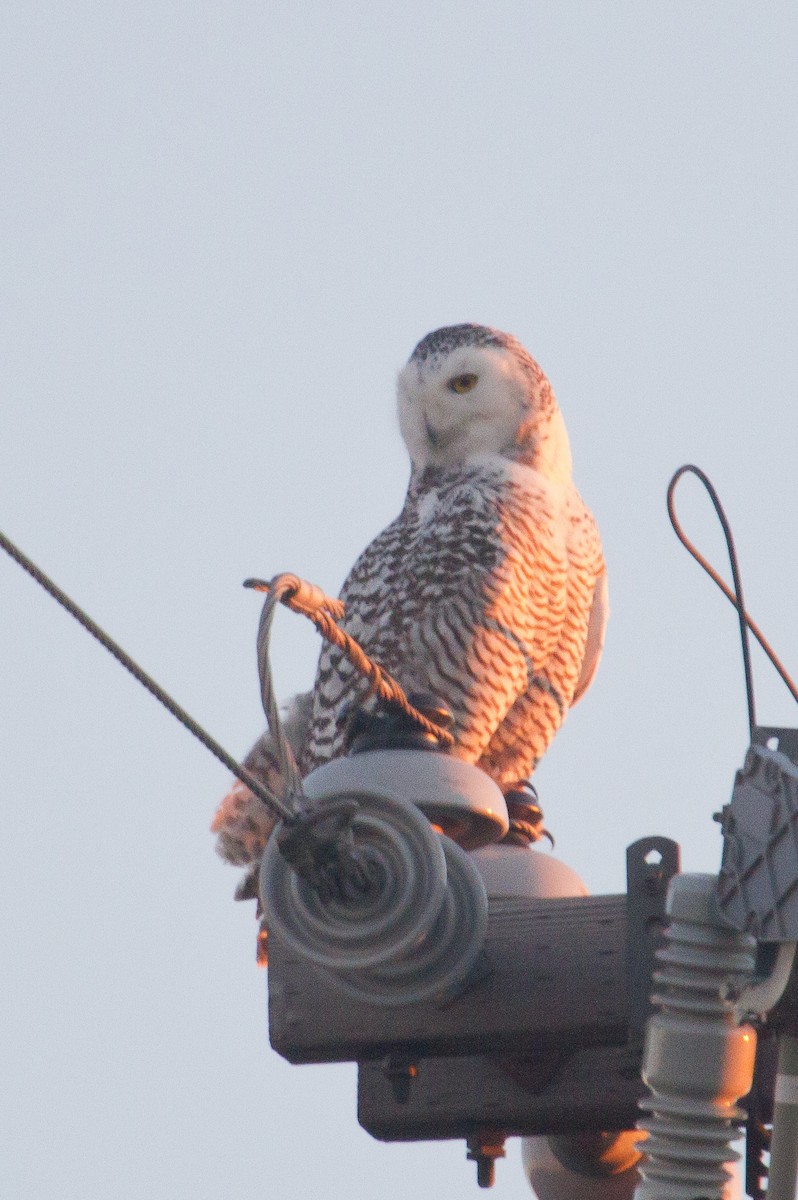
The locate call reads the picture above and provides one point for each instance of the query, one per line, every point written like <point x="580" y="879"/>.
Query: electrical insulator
<point x="514" y="870"/>
<point x="458" y="798"/>
<point x="601" y="1166"/>
<point x="698" y="1059"/>
<point x="417" y="933"/>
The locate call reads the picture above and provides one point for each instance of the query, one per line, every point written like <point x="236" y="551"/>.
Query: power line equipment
<point x="414" y="927"/>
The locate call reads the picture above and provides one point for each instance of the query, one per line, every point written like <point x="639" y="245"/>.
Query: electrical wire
<point x="760" y="997"/>
<point x="321" y="857"/>
<point x="734" y="597"/>
<point x="271" y="801"/>
<point x="287" y="589"/>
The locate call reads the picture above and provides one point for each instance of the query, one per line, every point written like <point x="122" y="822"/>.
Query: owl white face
<point x="453" y="406"/>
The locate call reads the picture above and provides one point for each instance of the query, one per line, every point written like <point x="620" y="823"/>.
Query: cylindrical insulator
<point x="510" y="871"/>
<point x="698" y="1061"/>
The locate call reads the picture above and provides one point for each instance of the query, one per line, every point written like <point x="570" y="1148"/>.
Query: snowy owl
<point x="488" y="590"/>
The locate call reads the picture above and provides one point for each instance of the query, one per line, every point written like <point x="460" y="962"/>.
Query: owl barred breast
<point x="489" y="588"/>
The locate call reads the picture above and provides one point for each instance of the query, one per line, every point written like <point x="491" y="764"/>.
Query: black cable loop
<point x="734" y="597"/>
<point x="290" y="774"/>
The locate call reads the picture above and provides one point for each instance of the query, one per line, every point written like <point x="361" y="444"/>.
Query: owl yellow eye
<point x="462" y="383"/>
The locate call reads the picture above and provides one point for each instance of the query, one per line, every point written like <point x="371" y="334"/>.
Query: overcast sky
<point x="225" y="227"/>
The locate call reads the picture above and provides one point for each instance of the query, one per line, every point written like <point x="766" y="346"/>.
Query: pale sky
<point x="225" y="227"/>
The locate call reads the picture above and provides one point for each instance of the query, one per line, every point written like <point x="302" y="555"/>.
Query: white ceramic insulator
<point x="457" y="797"/>
<point x="439" y="962"/>
<point x="607" y="1171"/>
<point x="698" y="1060"/>
<point x="416" y="936"/>
<point x="522" y="871"/>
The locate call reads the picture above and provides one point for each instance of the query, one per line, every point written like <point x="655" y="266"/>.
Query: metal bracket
<point x="776" y="737"/>
<point x="651" y="863"/>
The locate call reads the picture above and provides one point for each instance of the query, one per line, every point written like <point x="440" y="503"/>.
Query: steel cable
<point x="255" y="786"/>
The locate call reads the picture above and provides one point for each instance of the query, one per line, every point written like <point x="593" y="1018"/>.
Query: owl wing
<point x="463" y="596"/>
<point x="373" y="620"/>
<point x="565" y="666"/>
<point x="596" y="628"/>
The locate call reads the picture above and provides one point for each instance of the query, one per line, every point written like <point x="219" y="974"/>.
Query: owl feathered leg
<point x="242" y="822"/>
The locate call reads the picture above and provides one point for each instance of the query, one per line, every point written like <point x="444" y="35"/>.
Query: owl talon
<point x="247" y="888"/>
<point x="391" y="728"/>
<point x="526" y="816"/>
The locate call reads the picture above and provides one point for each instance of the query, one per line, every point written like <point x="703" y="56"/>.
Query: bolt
<point x="400" y="1074"/>
<point x="484" y="1149"/>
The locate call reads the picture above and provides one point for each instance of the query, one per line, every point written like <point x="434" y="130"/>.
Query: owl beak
<point x="439" y="439"/>
<point x="433" y="436"/>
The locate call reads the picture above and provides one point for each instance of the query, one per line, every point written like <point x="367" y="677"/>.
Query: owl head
<point x="469" y="391"/>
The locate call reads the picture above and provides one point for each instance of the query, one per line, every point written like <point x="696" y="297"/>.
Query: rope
<point x="311" y="602"/>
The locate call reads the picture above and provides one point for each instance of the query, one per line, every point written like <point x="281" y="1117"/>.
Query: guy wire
<point x="271" y="801"/>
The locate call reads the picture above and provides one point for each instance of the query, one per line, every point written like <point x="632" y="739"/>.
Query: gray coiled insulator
<point x="698" y="1060"/>
<point x="415" y="936"/>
